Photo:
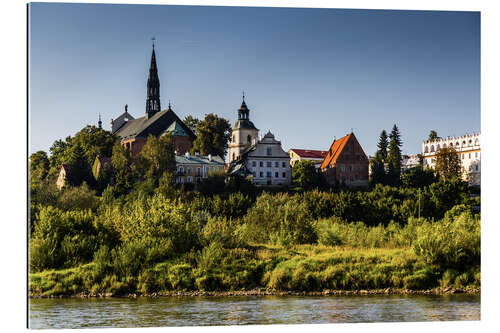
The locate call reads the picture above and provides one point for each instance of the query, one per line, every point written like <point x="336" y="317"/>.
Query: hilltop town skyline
<point x="358" y="72"/>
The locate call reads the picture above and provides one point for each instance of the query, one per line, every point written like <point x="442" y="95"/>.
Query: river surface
<point x="199" y="311"/>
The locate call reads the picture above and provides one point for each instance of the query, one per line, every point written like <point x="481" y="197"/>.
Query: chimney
<point x="210" y="157"/>
<point x="196" y="153"/>
<point x="188" y="155"/>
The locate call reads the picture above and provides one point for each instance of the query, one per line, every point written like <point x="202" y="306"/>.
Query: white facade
<point x="409" y="161"/>
<point x="467" y="146"/>
<point x="269" y="163"/>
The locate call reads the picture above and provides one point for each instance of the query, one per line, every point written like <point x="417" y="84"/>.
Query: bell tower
<point x="244" y="133"/>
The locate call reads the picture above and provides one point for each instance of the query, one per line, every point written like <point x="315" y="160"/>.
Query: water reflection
<point x="199" y="311"/>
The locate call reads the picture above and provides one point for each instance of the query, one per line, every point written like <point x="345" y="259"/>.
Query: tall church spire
<point x="153" y="86"/>
<point x="243" y="110"/>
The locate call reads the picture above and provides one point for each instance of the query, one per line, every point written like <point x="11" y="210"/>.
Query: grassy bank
<point x="312" y="241"/>
<point x="298" y="268"/>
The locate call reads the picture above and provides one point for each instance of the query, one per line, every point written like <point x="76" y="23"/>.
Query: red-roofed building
<point x="317" y="156"/>
<point x="346" y="162"/>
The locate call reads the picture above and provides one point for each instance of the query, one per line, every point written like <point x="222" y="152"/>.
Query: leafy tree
<point x="57" y="152"/>
<point x="394" y="157"/>
<point x="124" y="176"/>
<point x="38" y="166"/>
<point x="94" y="142"/>
<point x="448" y="165"/>
<point x="213" y="134"/>
<point x="305" y="175"/>
<point x="418" y="177"/>
<point x="214" y="183"/>
<point x="191" y="122"/>
<point x="382" y="145"/>
<point x="157" y="157"/>
<point x="433" y="135"/>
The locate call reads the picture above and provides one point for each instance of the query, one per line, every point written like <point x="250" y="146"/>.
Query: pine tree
<point x="394" y="157"/>
<point x="378" y="170"/>
<point x="382" y="145"/>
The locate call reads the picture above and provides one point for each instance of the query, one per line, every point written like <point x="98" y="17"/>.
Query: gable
<point x="344" y="149"/>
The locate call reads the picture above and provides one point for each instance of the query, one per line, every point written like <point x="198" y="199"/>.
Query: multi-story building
<point x="192" y="169"/>
<point x="317" y="156"/>
<point x="346" y="163"/>
<point x="263" y="160"/>
<point x="468" y="148"/>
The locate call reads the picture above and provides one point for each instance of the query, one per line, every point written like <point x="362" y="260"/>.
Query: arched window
<point x="426" y="150"/>
<point x="463" y="143"/>
<point x="432" y="148"/>
<point x="457" y="144"/>
<point x="451" y="144"/>
<point x="470" y="142"/>
<point x="438" y="147"/>
<point x="444" y="145"/>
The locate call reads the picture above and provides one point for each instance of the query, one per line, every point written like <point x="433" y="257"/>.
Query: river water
<point x="199" y="311"/>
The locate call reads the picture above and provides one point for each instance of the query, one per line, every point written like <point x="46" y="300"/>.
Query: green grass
<point x="297" y="268"/>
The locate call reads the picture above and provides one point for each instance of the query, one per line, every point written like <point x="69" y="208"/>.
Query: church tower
<point x="153" y="94"/>
<point x="244" y="133"/>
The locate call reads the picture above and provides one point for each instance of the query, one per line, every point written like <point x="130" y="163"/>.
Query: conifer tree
<point x="394" y="157"/>
<point x="382" y="146"/>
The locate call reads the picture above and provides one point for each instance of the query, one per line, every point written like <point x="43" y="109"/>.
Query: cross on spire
<point x="153" y="39"/>
<point x="243" y="95"/>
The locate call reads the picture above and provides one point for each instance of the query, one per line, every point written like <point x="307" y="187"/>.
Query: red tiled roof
<point x="334" y="151"/>
<point x="305" y="153"/>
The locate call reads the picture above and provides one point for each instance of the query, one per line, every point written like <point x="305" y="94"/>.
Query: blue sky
<point x="309" y="74"/>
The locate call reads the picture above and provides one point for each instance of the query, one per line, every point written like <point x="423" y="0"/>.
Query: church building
<point x="134" y="132"/>
<point x="263" y="160"/>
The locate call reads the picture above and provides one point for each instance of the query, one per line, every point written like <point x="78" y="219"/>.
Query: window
<point x="283" y="164"/>
<point x="469" y="155"/>
<point x="350" y="178"/>
<point x="284" y="173"/>
<point x="342" y="168"/>
<point x="477" y="167"/>
<point x="189" y="171"/>
<point x="463" y="155"/>
<point x="261" y="164"/>
<point x="268" y="174"/>
<point x="190" y="179"/>
<point x="233" y="157"/>
<point x="476" y="154"/>
<point x="438" y="147"/>
<point x="207" y="170"/>
<point x="432" y="148"/>
<point x="268" y="151"/>
<point x="198" y="172"/>
<point x="181" y="170"/>
<point x="261" y="174"/>
<point x="276" y="175"/>
<point x="269" y="164"/>
<point x="276" y="164"/>
<point x="249" y="139"/>
<point x="426" y="150"/>
<point x="254" y="163"/>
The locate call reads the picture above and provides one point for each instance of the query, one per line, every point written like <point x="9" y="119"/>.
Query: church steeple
<point x="243" y="110"/>
<point x="153" y="88"/>
<point x="99" y="123"/>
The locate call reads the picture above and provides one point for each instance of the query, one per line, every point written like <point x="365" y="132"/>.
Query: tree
<point x="94" y="142"/>
<point x="382" y="145"/>
<point x="394" y="157"/>
<point x="157" y="157"/>
<point x="124" y="176"/>
<point x="433" y="135"/>
<point x="378" y="170"/>
<point x="213" y="134"/>
<point x="57" y="152"/>
<point x="448" y="165"/>
<point x="38" y="166"/>
<point x="79" y="168"/>
<point x="418" y="177"/>
<point x="305" y="175"/>
<point x="191" y="122"/>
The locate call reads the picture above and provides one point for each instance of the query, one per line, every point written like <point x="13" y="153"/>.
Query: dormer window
<point x="268" y="151"/>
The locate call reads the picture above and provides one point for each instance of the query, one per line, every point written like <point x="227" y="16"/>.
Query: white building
<point x="193" y="169"/>
<point x="469" y="149"/>
<point x="263" y="160"/>
<point x="409" y="161"/>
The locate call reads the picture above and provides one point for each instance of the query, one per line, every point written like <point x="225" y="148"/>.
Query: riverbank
<point x="267" y="292"/>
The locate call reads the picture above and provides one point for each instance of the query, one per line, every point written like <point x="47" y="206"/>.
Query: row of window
<point x="189" y="170"/>
<point x="269" y="164"/>
<point x="351" y="168"/>
<point x="457" y="144"/>
<point x="269" y="174"/>
<point x="351" y="178"/>
<point x="470" y="156"/>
